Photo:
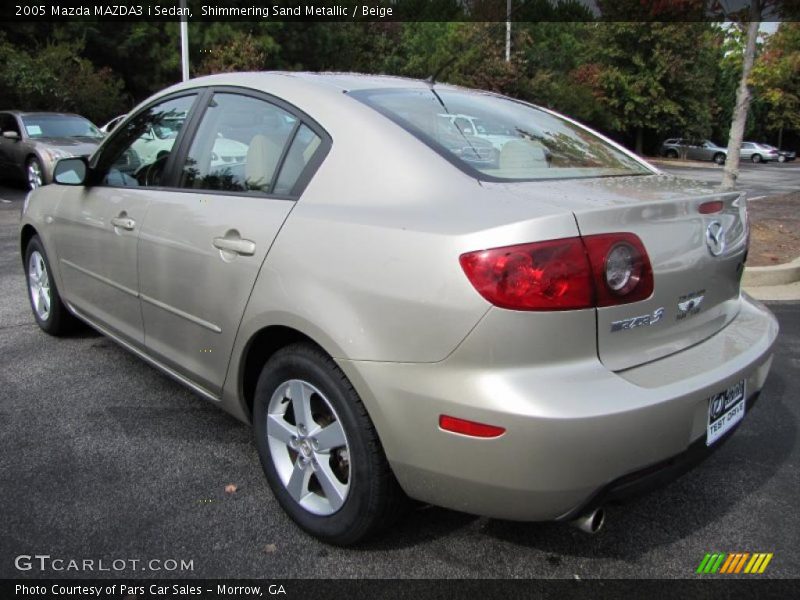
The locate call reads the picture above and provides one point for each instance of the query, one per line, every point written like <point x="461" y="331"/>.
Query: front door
<point x="203" y="242"/>
<point x="97" y="228"/>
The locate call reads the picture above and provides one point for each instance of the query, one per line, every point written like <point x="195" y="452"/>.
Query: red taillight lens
<point x="470" y="428"/>
<point x="621" y="268"/>
<point x="566" y="274"/>
<point x="552" y="275"/>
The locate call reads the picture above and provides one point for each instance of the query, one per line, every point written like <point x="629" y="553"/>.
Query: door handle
<point x="239" y="246"/>
<point x="123" y="223"/>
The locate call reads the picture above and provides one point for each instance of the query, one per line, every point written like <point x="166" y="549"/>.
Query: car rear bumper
<point x="575" y="431"/>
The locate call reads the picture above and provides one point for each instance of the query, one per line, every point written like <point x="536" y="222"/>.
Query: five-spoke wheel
<point x="319" y="449"/>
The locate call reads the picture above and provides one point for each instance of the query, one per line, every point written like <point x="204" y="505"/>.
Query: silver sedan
<point x="525" y="333"/>
<point x="32" y="142"/>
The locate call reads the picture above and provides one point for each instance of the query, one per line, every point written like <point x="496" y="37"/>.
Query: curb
<point x="776" y="275"/>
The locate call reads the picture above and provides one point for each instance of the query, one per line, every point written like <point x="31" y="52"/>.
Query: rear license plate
<point x="725" y="410"/>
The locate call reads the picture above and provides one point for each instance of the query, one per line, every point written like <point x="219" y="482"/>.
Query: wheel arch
<point x="261" y="346"/>
<point x="25" y="235"/>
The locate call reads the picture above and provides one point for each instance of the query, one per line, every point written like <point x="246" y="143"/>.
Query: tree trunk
<point x="780" y="137"/>
<point x="731" y="172"/>
<point x="639" y="140"/>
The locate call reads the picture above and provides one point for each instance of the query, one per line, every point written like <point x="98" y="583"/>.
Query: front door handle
<point x="239" y="246"/>
<point x="123" y="223"/>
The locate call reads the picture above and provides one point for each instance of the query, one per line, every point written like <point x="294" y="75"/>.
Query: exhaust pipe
<point x="590" y="522"/>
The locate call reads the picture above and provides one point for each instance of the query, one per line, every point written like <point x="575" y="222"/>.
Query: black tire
<point x="33" y="162"/>
<point x="374" y="500"/>
<point x="781" y="158"/>
<point x="756" y="158"/>
<point x="719" y="158"/>
<point x="59" y="321"/>
<point x="671" y="153"/>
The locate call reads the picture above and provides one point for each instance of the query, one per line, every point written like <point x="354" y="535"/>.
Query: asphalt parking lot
<point x="102" y="457"/>
<point x="757" y="180"/>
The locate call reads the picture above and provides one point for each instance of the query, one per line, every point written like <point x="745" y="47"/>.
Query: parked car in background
<point x="32" y="142"/>
<point x="397" y="312"/>
<point x="783" y="155"/>
<point x="109" y="127"/>
<point x="755" y="152"/>
<point x="694" y="150"/>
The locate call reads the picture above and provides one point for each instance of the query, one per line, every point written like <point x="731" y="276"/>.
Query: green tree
<point x="655" y="76"/>
<point x="55" y="77"/>
<point x="776" y="79"/>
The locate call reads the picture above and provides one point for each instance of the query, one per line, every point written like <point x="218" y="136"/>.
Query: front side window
<point x="137" y="153"/>
<point x="239" y="145"/>
<point x="499" y="138"/>
<point x="59" y="126"/>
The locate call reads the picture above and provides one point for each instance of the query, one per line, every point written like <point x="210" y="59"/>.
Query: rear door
<point x="205" y="237"/>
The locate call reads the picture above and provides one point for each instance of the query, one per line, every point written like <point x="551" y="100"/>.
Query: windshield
<point x="41" y="126"/>
<point x="500" y="138"/>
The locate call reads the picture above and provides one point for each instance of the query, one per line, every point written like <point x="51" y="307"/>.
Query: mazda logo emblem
<point x="715" y="238"/>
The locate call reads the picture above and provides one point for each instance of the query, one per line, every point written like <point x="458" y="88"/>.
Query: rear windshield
<point x="496" y="138"/>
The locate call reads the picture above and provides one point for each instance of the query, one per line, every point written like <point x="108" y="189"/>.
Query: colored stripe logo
<point x="734" y="562"/>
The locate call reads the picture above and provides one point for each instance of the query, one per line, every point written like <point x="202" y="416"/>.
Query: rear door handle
<point x="123" y="223"/>
<point x="243" y="247"/>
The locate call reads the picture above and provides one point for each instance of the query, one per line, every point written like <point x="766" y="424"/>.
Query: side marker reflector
<point x="470" y="428"/>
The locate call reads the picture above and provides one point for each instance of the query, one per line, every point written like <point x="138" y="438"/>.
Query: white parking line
<point x="4" y="201"/>
<point x="756" y="197"/>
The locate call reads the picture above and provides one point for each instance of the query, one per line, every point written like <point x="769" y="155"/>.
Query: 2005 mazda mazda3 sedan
<point x="523" y="329"/>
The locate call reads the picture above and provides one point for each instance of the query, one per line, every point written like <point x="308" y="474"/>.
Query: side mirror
<point x="11" y="135"/>
<point x="71" y="171"/>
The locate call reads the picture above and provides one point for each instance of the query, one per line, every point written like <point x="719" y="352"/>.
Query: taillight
<point x="551" y="275"/>
<point x="621" y="268"/>
<point x="565" y="274"/>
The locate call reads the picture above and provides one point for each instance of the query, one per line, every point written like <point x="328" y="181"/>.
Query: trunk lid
<point x="696" y="285"/>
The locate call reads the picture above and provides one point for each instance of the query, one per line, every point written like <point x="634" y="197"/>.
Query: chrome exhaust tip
<point x="590" y="522"/>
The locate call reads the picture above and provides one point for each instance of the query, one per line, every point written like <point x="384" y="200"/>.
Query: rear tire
<point x="671" y="153"/>
<point x="49" y="311"/>
<point x="338" y="485"/>
<point x="756" y="158"/>
<point x="719" y="158"/>
<point x="781" y="158"/>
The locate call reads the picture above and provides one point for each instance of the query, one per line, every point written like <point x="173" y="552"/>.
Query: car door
<point x="203" y="243"/>
<point x="747" y="150"/>
<point x="97" y="227"/>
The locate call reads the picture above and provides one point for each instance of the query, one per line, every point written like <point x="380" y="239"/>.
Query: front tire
<point x="49" y="311"/>
<point x="781" y="158"/>
<point x="34" y="173"/>
<point x="756" y="158"/>
<point x="671" y="153"/>
<point x="319" y="449"/>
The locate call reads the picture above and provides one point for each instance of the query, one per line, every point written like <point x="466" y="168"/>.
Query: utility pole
<point x="184" y="42"/>
<point x="508" y="30"/>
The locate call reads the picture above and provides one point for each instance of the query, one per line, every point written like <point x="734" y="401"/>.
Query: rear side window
<point x="303" y="147"/>
<point x="499" y="139"/>
<point x="239" y="145"/>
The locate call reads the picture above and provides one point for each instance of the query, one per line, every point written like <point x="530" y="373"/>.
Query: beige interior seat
<point x="262" y="159"/>
<point x="521" y="155"/>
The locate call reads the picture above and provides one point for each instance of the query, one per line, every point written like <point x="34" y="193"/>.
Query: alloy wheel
<point x="308" y="447"/>
<point x="34" y="174"/>
<point x="39" y="285"/>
